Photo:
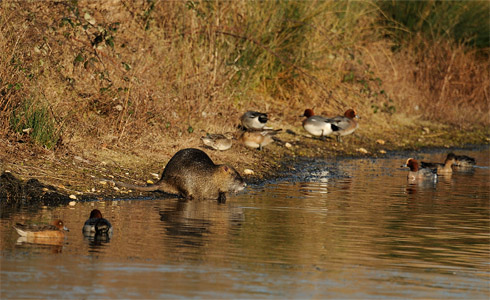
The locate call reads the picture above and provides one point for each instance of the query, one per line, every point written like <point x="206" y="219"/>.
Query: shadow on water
<point x="340" y="228"/>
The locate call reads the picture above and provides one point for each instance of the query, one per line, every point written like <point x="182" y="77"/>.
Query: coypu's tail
<point x="161" y="186"/>
<point x="148" y="188"/>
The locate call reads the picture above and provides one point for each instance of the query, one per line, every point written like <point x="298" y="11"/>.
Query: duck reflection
<point x="42" y="244"/>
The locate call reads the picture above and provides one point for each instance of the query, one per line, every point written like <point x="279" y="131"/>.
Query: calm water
<point x="351" y="228"/>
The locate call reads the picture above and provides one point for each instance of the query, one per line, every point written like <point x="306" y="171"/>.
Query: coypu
<point x="192" y="174"/>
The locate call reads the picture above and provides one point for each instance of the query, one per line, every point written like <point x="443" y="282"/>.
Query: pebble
<point x="288" y="145"/>
<point x="382" y="151"/>
<point x="362" y="150"/>
<point x="380" y="141"/>
<point x="149" y="181"/>
<point x="248" y="172"/>
<point x="72" y="203"/>
<point x="73" y="197"/>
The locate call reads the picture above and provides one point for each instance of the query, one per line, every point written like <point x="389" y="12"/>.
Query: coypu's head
<point x="231" y="180"/>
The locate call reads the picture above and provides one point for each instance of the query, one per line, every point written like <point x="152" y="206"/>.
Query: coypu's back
<point x="186" y="160"/>
<point x="192" y="174"/>
<point x="195" y="175"/>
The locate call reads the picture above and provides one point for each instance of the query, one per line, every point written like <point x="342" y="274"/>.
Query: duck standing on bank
<point x="316" y="125"/>
<point x="344" y="125"/>
<point x="338" y="126"/>
<point x="253" y="120"/>
<point x="258" y="139"/>
<point x="217" y="141"/>
<point x="417" y="173"/>
<point x="445" y="168"/>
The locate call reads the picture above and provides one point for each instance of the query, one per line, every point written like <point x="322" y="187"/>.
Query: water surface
<point x="348" y="228"/>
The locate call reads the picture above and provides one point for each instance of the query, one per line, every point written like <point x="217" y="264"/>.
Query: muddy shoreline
<point x="17" y="192"/>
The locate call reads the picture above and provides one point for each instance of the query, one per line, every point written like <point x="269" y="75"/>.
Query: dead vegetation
<point x="130" y="83"/>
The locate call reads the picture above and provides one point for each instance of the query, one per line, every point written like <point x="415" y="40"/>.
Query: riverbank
<point x="76" y="173"/>
<point x="112" y="91"/>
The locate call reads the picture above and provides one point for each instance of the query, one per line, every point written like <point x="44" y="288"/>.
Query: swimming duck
<point x="96" y="225"/>
<point x="316" y="125"/>
<point x="463" y="160"/>
<point x="253" y="120"/>
<point x="56" y="230"/>
<point x="417" y="173"/>
<point x="217" y="141"/>
<point x="258" y="139"/>
<point x="445" y="168"/>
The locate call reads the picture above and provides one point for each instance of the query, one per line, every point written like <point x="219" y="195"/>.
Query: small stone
<point x="118" y="107"/>
<point x="73" y="197"/>
<point x="380" y="141"/>
<point x="155" y="175"/>
<point x="288" y="145"/>
<point x="149" y="181"/>
<point x="103" y="182"/>
<point x="72" y="203"/>
<point x="382" y="151"/>
<point x="362" y="150"/>
<point x="248" y="172"/>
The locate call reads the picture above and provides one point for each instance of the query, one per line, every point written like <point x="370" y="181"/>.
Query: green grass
<point x="36" y="121"/>
<point x="465" y="22"/>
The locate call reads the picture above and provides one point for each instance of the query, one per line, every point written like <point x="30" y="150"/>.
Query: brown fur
<point x="190" y="173"/>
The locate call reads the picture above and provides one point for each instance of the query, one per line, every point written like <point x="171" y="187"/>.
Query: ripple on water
<point x="344" y="228"/>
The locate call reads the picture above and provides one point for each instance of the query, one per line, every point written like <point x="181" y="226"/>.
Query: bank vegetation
<point x="117" y="87"/>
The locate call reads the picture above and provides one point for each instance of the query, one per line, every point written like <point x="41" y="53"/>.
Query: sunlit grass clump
<point x="35" y="120"/>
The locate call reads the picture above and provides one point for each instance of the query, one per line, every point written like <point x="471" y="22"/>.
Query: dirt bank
<point x="33" y="175"/>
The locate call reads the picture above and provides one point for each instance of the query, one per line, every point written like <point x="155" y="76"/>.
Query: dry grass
<point x="144" y="79"/>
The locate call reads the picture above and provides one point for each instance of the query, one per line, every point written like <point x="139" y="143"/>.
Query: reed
<point x="466" y="22"/>
<point x="158" y="74"/>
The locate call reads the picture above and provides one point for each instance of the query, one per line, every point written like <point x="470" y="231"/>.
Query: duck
<point x="445" y="168"/>
<point x="217" y="141"/>
<point x="258" y="139"/>
<point x="323" y="126"/>
<point x="344" y="125"/>
<point x="463" y="160"/>
<point x="253" y="120"/>
<point x="417" y="173"/>
<point x="316" y="125"/>
<point x="96" y="224"/>
<point x="56" y="230"/>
